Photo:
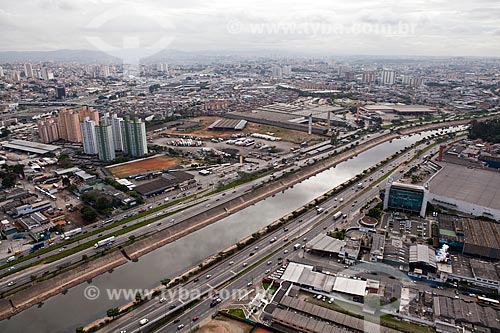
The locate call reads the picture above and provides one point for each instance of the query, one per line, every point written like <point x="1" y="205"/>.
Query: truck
<point x="107" y="221"/>
<point x="104" y="242"/>
<point x="337" y="215"/>
<point x="296" y="246"/>
<point x="37" y="246"/>
<point x="18" y="236"/>
<point x="69" y="233"/>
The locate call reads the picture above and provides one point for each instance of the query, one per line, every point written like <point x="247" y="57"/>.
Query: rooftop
<point x="477" y="186"/>
<point x="325" y="243"/>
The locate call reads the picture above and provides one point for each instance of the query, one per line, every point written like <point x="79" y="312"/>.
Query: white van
<point x="11" y="258"/>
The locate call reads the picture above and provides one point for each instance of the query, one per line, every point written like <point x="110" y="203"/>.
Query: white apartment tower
<point x="88" y="136"/>
<point x="104" y="141"/>
<point x="134" y="137"/>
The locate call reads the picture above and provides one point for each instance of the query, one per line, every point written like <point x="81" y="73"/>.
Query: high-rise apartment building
<point x="69" y="126"/>
<point x="104" y="141"/>
<point x="28" y="70"/>
<point x="48" y="130"/>
<point x="89" y="112"/>
<point x="387" y="77"/>
<point x="134" y="137"/>
<point x="368" y="77"/>
<point x="1" y="72"/>
<point x="116" y="126"/>
<point x="88" y="136"/>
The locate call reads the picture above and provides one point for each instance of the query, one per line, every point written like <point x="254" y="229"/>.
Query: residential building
<point x="28" y="70"/>
<point x="88" y="136"/>
<point x="116" y="125"/>
<point x="134" y="137"/>
<point x="387" y="77"/>
<point x="104" y="141"/>
<point x="69" y="126"/>
<point x="48" y="130"/>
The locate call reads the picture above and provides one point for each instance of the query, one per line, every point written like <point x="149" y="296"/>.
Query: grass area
<point x="237" y="313"/>
<point x="246" y="178"/>
<point x="390" y="321"/>
<point x="273" y="288"/>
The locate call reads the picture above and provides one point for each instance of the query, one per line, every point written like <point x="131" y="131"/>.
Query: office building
<point x="405" y="197"/>
<point x="134" y="137"/>
<point x="104" y="141"/>
<point x="387" y="77"/>
<point x="88" y="136"/>
<point x="28" y="70"/>
<point x="60" y="92"/>
<point x="48" y="130"/>
<point x="116" y="127"/>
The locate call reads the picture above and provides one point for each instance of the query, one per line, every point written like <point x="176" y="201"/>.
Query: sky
<point x="319" y="27"/>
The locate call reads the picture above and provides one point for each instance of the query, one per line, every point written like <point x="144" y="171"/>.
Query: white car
<point x="163" y="299"/>
<point x="143" y="321"/>
<point x="209" y="276"/>
<point x="11" y="283"/>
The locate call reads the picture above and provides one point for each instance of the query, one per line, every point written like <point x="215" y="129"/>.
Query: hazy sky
<point x="371" y="27"/>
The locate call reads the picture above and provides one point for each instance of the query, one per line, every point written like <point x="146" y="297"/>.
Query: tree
<point x="66" y="182"/>
<point x="165" y="282"/>
<point x="112" y="312"/>
<point x="88" y="214"/>
<point x="79" y="329"/>
<point x="138" y="297"/>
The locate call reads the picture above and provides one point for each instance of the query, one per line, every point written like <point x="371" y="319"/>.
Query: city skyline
<point x="439" y="28"/>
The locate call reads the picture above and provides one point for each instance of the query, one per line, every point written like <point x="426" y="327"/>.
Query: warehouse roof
<point x="477" y="186"/>
<point x="325" y="243"/>
<point x="350" y="286"/>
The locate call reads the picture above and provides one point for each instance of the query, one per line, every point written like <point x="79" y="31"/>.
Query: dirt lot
<point x="149" y="164"/>
<point x="284" y="134"/>
<point x="224" y="325"/>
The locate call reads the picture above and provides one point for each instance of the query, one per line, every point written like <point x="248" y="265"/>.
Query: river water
<point x="63" y="313"/>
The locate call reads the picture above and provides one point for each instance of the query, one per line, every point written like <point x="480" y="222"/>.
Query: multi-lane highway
<point x="250" y="264"/>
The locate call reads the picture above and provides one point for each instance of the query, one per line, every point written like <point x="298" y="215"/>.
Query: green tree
<point x="138" y="297"/>
<point x="112" y="312"/>
<point x="79" y="329"/>
<point x="66" y="182"/>
<point x="88" y="214"/>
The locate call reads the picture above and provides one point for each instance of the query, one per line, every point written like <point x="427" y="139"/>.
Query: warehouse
<point x="466" y="189"/>
<point x="228" y="125"/>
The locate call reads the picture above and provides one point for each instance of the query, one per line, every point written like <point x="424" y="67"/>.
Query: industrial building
<point x="470" y="236"/>
<point x="466" y="189"/>
<point x="30" y="147"/>
<point x="228" y="125"/>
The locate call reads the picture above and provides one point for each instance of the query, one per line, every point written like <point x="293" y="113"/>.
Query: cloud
<point x="291" y="25"/>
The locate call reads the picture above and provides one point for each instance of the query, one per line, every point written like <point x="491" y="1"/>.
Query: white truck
<point x="337" y="215"/>
<point x="104" y="242"/>
<point x="70" y="233"/>
<point x="296" y="246"/>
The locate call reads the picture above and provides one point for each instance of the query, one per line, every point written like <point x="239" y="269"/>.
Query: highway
<point x="307" y="226"/>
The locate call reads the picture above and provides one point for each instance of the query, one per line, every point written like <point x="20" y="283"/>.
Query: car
<point x="123" y="331"/>
<point x="256" y="248"/>
<point x="11" y="283"/>
<point x="245" y="264"/>
<point x="143" y="321"/>
<point x="249" y="284"/>
<point x="180" y="327"/>
<point x="163" y="299"/>
<point x="11" y="268"/>
<point x="267" y="271"/>
<point x="207" y="205"/>
<point x="172" y="306"/>
<point x="231" y="263"/>
<point x="285" y="252"/>
<point x="269" y="262"/>
<point x="195" y="318"/>
<point x="251" y="254"/>
<point x="196" y="280"/>
<point x="285" y="239"/>
<point x="305" y="239"/>
<point x="209" y="276"/>
<point x="176" y="320"/>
